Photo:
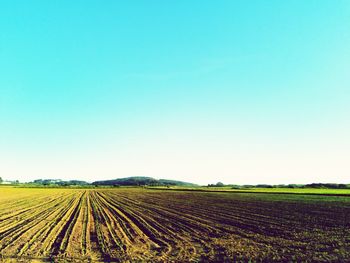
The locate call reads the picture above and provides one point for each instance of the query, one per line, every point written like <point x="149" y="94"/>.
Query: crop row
<point x="152" y="225"/>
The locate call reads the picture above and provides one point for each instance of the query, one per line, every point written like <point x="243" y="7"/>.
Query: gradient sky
<point x="241" y="92"/>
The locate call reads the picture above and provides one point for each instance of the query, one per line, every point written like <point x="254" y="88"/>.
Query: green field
<point x="261" y="190"/>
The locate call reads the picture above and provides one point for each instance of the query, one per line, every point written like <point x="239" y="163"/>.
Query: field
<point x="136" y="224"/>
<point x="309" y="191"/>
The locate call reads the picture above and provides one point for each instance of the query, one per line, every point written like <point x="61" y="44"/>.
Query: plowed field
<point x="135" y="224"/>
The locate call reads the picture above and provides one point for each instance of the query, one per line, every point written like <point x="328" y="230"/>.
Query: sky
<point x="242" y="92"/>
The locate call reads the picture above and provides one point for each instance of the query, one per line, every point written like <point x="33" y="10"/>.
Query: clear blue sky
<point x="202" y="91"/>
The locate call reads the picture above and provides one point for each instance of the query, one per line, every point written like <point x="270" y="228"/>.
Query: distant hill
<point x="142" y="180"/>
<point x="173" y="182"/>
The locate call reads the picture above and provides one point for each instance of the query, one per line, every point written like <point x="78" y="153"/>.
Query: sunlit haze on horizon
<point x="200" y="91"/>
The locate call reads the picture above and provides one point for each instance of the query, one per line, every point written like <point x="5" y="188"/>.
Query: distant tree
<point x="263" y="186"/>
<point x="1" y="180"/>
<point x="342" y="186"/>
<point x="219" y="184"/>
